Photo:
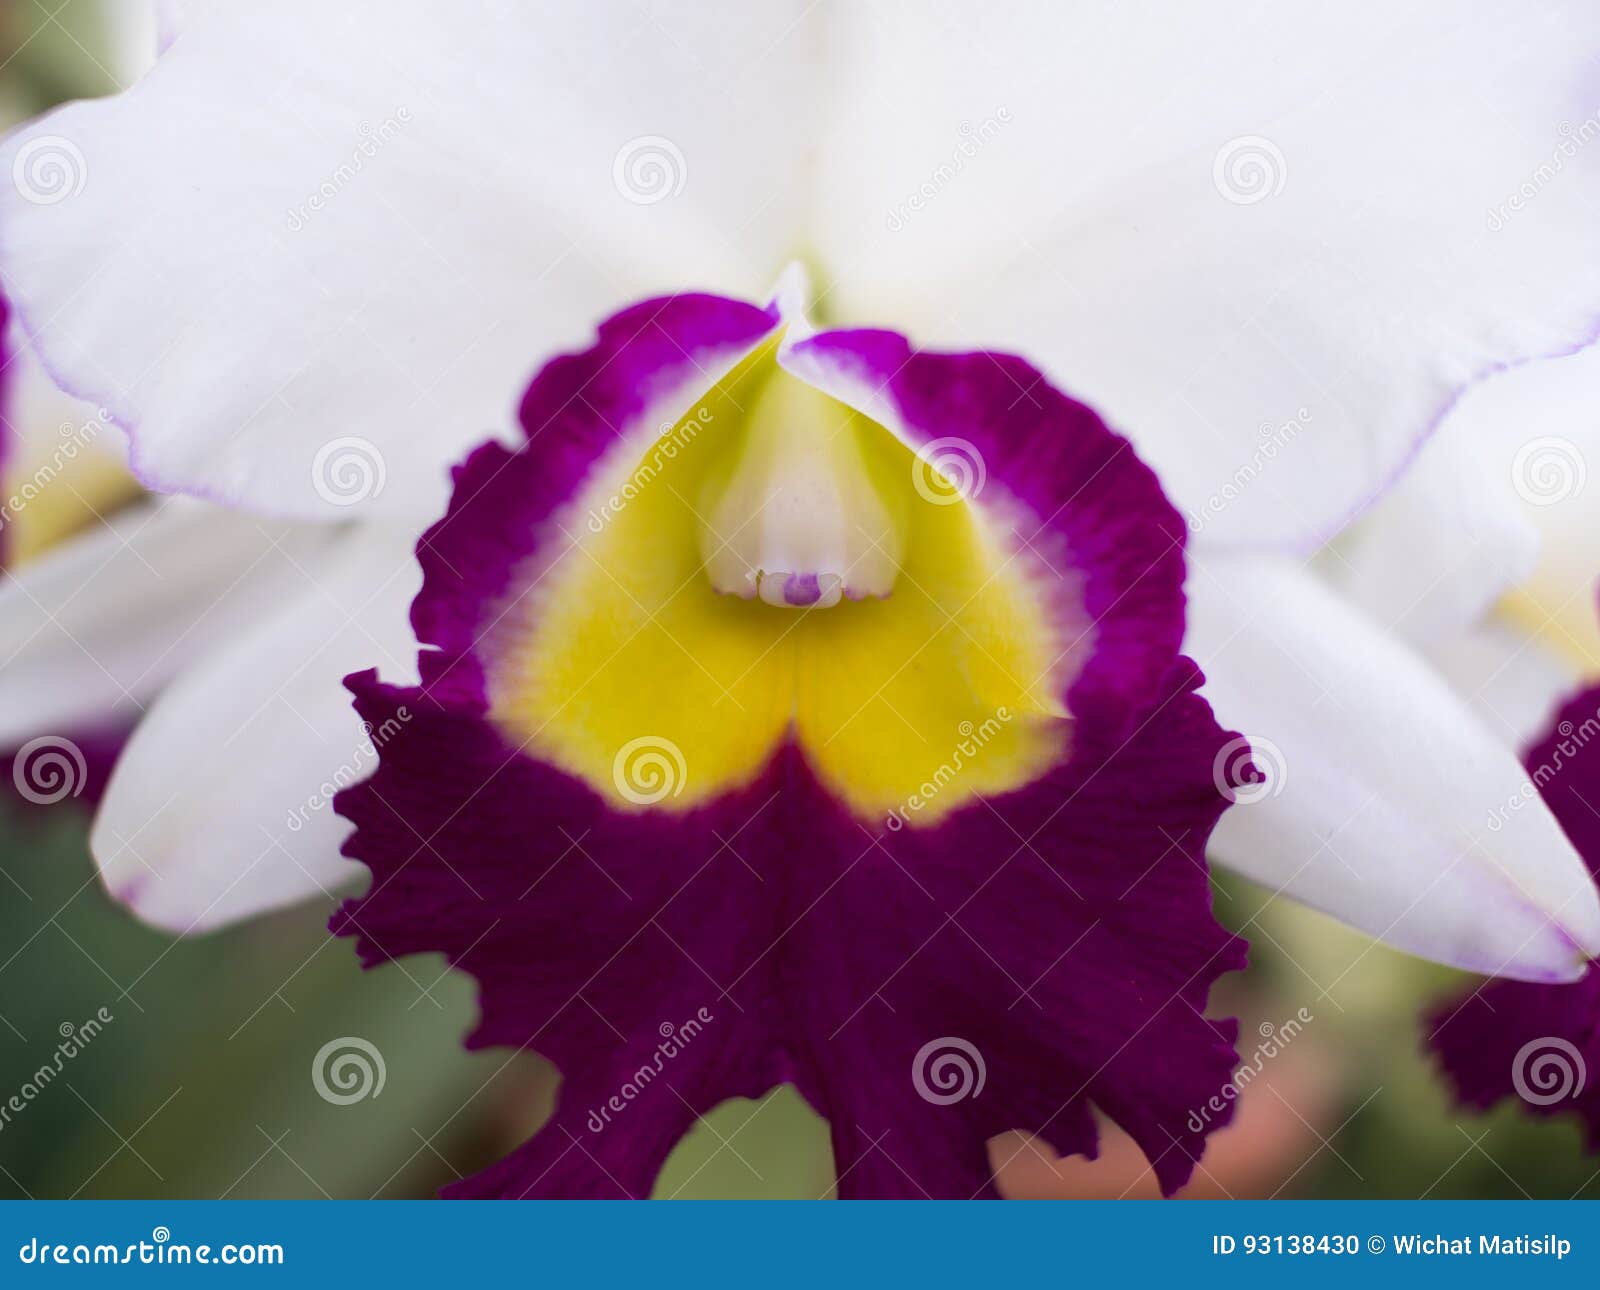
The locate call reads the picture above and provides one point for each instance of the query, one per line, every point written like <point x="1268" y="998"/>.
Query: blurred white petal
<point x="93" y="628"/>
<point x="1544" y="422"/>
<point x="1513" y="681"/>
<point x="1385" y="784"/>
<point x="219" y="806"/>
<point x="1446" y="543"/>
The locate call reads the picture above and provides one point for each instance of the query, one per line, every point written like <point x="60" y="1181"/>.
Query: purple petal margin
<point x="1059" y="938"/>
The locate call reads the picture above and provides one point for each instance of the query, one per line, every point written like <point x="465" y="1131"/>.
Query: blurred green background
<point x="201" y="1084"/>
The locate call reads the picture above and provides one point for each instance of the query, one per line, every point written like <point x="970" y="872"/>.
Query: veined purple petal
<point x="1540" y="1043"/>
<point x="1038" y="951"/>
<point x="1055" y="943"/>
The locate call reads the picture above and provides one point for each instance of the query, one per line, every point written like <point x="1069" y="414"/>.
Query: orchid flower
<point x="1539" y="1043"/>
<point x="125" y="624"/>
<point x="120" y="610"/>
<point x="365" y="232"/>
<point x="1475" y="571"/>
<point x="798" y="760"/>
<point x="1532" y="671"/>
<point x="60" y="464"/>
<point x="1499" y="593"/>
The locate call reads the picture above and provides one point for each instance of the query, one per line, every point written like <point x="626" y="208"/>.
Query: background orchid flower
<point x="60" y="470"/>
<point x="180" y="617"/>
<point x="1538" y="1043"/>
<point x="1497" y="517"/>
<point x="1528" y="663"/>
<point x="415" y="207"/>
<point x="1475" y="577"/>
<point x="108" y="594"/>
<point x="142" y="634"/>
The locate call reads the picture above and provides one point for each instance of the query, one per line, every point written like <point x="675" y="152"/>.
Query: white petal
<point x="1513" y="681"/>
<point x="1501" y="496"/>
<point x="366" y="227"/>
<point x="1072" y="181"/>
<point x="219" y="806"/>
<point x="1539" y="426"/>
<point x="1380" y="811"/>
<point x="90" y="630"/>
<point x="1444" y="544"/>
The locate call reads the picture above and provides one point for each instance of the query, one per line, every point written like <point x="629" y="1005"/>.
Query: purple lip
<point x="735" y="912"/>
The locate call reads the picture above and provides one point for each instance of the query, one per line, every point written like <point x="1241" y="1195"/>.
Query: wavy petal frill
<point x="935" y="855"/>
<point x="1540" y="1043"/>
